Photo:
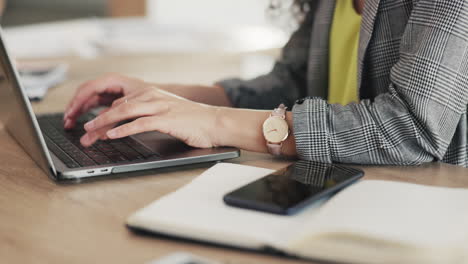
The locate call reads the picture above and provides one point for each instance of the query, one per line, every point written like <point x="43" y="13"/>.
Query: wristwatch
<point x="276" y="130"/>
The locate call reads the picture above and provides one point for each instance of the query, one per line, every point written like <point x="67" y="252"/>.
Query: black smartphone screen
<point x="290" y="189"/>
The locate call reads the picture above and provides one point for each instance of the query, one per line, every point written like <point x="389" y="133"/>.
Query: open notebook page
<point x="395" y="216"/>
<point x="198" y="211"/>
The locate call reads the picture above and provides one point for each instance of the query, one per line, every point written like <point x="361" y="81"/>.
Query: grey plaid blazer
<point x="412" y="77"/>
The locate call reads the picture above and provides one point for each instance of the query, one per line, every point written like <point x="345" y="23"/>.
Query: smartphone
<point x="290" y="189"/>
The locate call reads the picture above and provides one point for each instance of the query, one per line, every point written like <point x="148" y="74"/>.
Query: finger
<point x="77" y="107"/>
<point x="71" y="102"/>
<point x="125" y="112"/>
<point x="92" y="87"/>
<point x="143" y="124"/>
<point x="103" y="111"/>
<point x="91" y="137"/>
<point x="71" y="122"/>
<point x="111" y="84"/>
<point x="104" y="135"/>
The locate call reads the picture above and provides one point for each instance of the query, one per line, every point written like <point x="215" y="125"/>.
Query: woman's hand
<point x="153" y="109"/>
<point x="100" y="92"/>
<point x="105" y="90"/>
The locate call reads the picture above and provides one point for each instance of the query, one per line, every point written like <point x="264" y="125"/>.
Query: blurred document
<point x="37" y="78"/>
<point x="55" y="39"/>
<point x="88" y="38"/>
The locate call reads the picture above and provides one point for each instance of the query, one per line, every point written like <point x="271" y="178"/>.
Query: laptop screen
<point x="17" y="115"/>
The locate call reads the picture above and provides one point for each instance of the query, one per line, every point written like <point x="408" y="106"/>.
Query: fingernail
<point x="112" y="133"/>
<point x="89" y="125"/>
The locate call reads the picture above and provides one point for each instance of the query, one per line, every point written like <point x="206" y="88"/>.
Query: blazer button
<point x="300" y="101"/>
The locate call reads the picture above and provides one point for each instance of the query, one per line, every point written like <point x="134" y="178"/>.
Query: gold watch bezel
<point x="275" y="119"/>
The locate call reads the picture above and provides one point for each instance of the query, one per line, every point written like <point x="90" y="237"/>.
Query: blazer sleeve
<point x="413" y="122"/>
<point x="284" y="84"/>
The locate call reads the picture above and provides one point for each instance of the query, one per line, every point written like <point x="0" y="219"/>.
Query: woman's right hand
<point x="105" y="90"/>
<point x="100" y="92"/>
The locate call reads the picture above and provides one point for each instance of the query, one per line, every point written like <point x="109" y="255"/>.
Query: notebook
<point x="371" y="221"/>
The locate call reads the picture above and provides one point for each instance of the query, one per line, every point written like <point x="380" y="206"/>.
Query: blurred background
<point x="241" y="38"/>
<point x="19" y="12"/>
<point x="145" y="25"/>
<point x="201" y="11"/>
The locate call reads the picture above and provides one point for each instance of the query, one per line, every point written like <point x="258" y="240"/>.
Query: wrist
<point x="225" y="131"/>
<point x="218" y="127"/>
<point x="241" y="128"/>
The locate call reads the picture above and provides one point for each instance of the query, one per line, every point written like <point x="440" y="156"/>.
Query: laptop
<point x="59" y="153"/>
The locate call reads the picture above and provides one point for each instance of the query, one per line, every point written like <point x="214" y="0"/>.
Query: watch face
<point x="275" y="129"/>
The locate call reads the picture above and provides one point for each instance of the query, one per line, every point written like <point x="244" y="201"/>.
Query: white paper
<point x="198" y="209"/>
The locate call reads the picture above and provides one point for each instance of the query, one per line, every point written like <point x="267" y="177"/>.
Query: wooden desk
<point x="45" y="222"/>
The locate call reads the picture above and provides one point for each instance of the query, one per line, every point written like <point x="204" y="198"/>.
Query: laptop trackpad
<point x="162" y="144"/>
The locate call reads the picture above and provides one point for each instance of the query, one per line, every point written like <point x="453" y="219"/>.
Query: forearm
<point x="211" y="95"/>
<point x="242" y="128"/>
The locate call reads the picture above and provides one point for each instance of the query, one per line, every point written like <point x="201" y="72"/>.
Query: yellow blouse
<point x="344" y="41"/>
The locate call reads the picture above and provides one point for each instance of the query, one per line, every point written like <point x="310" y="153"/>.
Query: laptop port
<point x="104" y="170"/>
<point x="89" y="172"/>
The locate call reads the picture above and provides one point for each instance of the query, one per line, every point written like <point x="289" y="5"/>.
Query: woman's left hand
<point x="152" y="109"/>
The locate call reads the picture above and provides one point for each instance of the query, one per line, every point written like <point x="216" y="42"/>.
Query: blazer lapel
<point x="368" y="19"/>
<point x="317" y="76"/>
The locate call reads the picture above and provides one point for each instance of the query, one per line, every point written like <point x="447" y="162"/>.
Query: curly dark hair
<point x="298" y="8"/>
<point x="302" y="5"/>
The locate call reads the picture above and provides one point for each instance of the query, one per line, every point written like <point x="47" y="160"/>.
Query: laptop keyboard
<point x="65" y="144"/>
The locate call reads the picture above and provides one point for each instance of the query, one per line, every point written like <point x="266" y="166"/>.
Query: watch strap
<point x="280" y="111"/>
<point x="274" y="149"/>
